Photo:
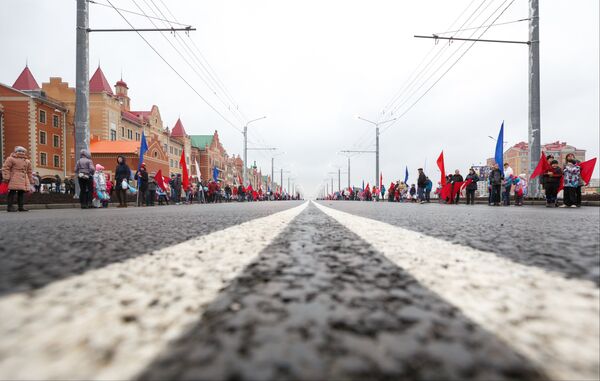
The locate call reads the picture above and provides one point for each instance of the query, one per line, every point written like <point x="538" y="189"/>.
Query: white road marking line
<point x="111" y="322"/>
<point x="552" y="321"/>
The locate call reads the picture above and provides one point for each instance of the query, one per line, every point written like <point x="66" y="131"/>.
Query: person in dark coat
<point x="421" y="183"/>
<point x="122" y="172"/>
<point x="142" y="177"/>
<point x="552" y="184"/>
<point x="428" y="187"/>
<point x="496" y="184"/>
<point x="472" y="187"/>
<point x="456" y="178"/>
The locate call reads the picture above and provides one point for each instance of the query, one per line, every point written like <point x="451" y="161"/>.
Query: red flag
<point x="541" y="168"/>
<point x="440" y="163"/>
<point x="457" y="186"/>
<point x="185" y="180"/>
<point x="160" y="180"/>
<point x="587" y="168"/>
<point x="466" y="183"/>
<point x="561" y="184"/>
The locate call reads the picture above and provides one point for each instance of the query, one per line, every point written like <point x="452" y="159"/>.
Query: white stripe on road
<point x="551" y="320"/>
<point x="111" y="322"/>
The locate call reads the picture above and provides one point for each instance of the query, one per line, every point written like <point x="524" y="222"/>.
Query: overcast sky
<point x="312" y="66"/>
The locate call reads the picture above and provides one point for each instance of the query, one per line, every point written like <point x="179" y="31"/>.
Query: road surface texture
<point x="307" y="291"/>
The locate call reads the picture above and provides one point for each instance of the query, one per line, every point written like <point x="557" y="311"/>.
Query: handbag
<point x="3" y="188"/>
<point x="125" y="184"/>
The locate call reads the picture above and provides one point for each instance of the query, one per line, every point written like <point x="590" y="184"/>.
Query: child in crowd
<point x="551" y="184"/>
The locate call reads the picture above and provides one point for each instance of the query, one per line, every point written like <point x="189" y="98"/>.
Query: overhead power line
<point x="136" y="13"/>
<point x="175" y="70"/>
<point x="483" y="26"/>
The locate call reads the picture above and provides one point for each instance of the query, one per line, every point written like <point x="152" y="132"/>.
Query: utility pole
<point x="82" y="74"/>
<point x="348" y="156"/>
<point x="245" y="133"/>
<point x="534" y="91"/>
<point x="534" y="125"/>
<point x="376" y="124"/>
<point x="82" y="84"/>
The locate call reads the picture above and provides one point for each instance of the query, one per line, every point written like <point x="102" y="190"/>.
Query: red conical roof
<point x="99" y="84"/>
<point x="178" y="130"/>
<point x="26" y="81"/>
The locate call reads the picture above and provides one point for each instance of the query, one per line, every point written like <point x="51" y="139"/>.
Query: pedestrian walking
<point x="122" y="175"/>
<point x="17" y="173"/>
<point x="421" y="184"/>
<point x="496" y="184"/>
<point x="84" y="170"/>
<point x="472" y="186"/>
<point x="571" y="181"/>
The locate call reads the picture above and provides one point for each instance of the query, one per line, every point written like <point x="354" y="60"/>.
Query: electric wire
<point x="175" y="70"/>
<point x="136" y="13"/>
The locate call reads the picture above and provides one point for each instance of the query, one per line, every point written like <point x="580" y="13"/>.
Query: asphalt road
<point x="42" y="246"/>
<point x="291" y="290"/>
<point x="562" y="240"/>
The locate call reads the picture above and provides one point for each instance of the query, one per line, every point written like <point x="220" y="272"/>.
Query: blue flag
<point x="143" y="149"/>
<point x="406" y="175"/>
<point x="215" y="173"/>
<point x="498" y="157"/>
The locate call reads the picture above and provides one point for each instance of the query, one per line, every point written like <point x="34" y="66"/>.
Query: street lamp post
<point x="376" y="124"/>
<point x="244" y="170"/>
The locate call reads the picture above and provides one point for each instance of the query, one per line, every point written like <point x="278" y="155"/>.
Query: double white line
<point x="111" y="322"/>
<point x="552" y="321"/>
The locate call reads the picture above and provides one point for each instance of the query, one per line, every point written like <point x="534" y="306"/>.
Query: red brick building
<point x="29" y="118"/>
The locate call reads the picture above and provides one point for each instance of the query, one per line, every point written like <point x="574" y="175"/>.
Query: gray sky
<point x="312" y="66"/>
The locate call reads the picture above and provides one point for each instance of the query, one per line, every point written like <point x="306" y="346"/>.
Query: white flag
<point x="197" y="169"/>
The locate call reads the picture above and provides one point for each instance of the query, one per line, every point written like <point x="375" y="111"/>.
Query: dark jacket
<point x="422" y="180"/>
<point x="554" y="179"/>
<point x="85" y="165"/>
<point x="122" y="172"/>
<point x="474" y="179"/>
<point x="143" y="178"/>
<point x="457" y="178"/>
<point x="496" y="177"/>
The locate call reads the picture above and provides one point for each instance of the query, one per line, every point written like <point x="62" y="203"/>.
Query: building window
<point x="122" y="132"/>
<point x="42" y="137"/>
<point x="55" y="121"/>
<point x="171" y="149"/>
<point x="165" y="146"/>
<point x="113" y="135"/>
<point x="43" y="158"/>
<point x="155" y="153"/>
<point x="43" y="116"/>
<point x="129" y="134"/>
<point x="170" y="162"/>
<point x="56" y="141"/>
<point x="137" y="136"/>
<point x="56" y="161"/>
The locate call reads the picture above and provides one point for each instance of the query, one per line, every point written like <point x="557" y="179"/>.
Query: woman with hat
<point x="17" y="172"/>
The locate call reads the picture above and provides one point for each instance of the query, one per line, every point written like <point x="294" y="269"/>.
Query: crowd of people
<point x="503" y="187"/>
<point x="97" y="189"/>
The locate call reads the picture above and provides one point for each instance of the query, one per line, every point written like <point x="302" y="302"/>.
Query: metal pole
<point x="244" y="170"/>
<point x="377" y="156"/>
<point x="82" y="85"/>
<point x="339" y="180"/>
<point x="281" y="181"/>
<point x="534" y="92"/>
<point x="272" y="172"/>
<point x="348" y="172"/>
<point x="288" y="187"/>
<point x="332" y="185"/>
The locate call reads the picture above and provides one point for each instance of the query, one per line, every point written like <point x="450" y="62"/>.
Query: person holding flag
<point x="142" y="175"/>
